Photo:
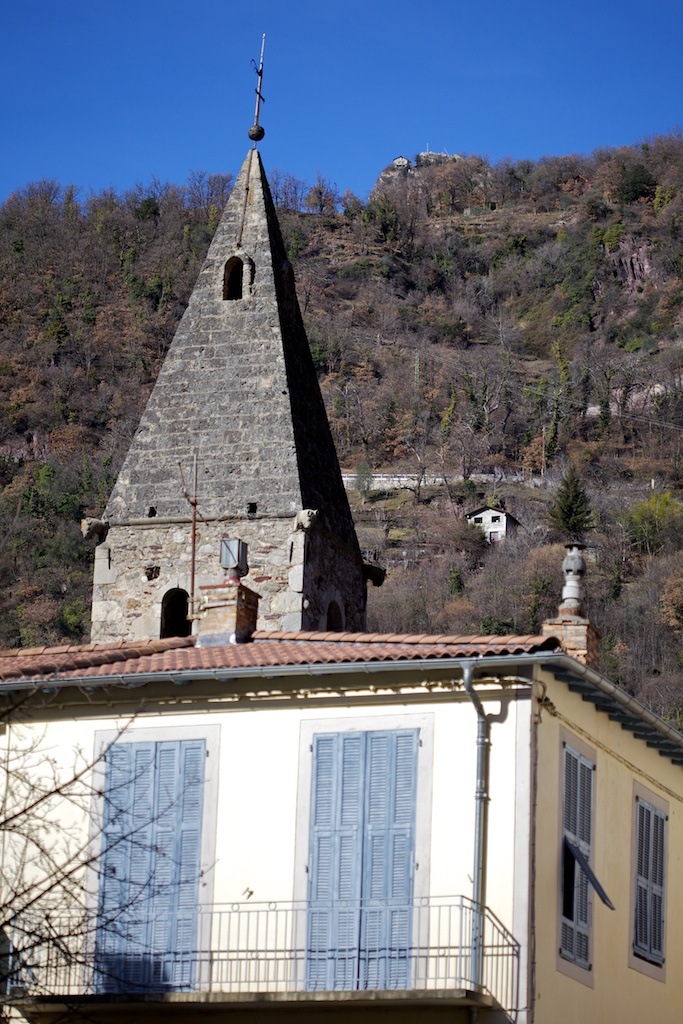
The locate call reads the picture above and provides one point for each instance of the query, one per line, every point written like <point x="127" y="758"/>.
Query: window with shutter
<point x="648" y="941"/>
<point x="149" y="866"/>
<point x="576" y="889"/>
<point x="361" y="859"/>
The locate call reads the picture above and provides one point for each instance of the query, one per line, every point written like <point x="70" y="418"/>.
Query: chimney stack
<point x="226" y="612"/>
<point x="578" y="636"/>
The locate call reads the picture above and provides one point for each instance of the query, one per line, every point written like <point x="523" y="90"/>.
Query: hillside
<point x="468" y="319"/>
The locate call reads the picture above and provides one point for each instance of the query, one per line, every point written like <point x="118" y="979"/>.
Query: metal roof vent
<point x="234" y="556"/>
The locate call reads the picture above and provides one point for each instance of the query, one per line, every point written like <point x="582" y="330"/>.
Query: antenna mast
<point x="256" y="132"/>
<point x="193" y="528"/>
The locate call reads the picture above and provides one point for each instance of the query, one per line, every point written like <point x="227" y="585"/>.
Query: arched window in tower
<point x="335" y="622"/>
<point x="232" y="278"/>
<point x="174" y="609"/>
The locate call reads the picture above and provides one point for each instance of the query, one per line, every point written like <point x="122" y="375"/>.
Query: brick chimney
<point x="226" y="613"/>
<point x="578" y="636"/>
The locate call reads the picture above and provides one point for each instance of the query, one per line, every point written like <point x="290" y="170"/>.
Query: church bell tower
<point x="234" y="443"/>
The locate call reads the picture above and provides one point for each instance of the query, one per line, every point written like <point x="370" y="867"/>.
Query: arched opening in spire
<point x="174" y="609"/>
<point x="232" y="278"/>
<point x="335" y="620"/>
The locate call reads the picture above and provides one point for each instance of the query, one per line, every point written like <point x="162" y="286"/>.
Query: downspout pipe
<point x="481" y="821"/>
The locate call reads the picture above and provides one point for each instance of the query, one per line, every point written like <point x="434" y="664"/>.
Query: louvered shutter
<point x="388" y="858"/>
<point x="191" y="778"/>
<point x="649" y="896"/>
<point x="165" y="891"/>
<point x="577" y="825"/>
<point x="142" y="866"/>
<point x="361" y="859"/>
<point x="334" y="861"/>
<point x="114" y="869"/>
<point x="151" y="837"/>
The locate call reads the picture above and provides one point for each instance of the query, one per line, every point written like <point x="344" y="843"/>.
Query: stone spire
<point x="238" y="393"/>
<point x="576" y="633"/>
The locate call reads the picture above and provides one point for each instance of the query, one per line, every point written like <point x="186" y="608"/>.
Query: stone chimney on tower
<point x="576" y="633"/>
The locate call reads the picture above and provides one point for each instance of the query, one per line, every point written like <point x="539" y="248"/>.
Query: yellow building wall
<point x="612" y="990"/>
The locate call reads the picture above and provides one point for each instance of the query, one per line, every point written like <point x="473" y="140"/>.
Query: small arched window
<point x="174" y="609"/>
<point x="335" y="623"/>
<point x="232" y="278"/>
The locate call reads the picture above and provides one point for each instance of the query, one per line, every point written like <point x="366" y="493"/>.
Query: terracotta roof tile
<point x="41" y="661"/>
<point x="270" y="649"/>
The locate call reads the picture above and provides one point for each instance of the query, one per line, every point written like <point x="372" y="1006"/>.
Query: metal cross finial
<point x="256" y="132"/>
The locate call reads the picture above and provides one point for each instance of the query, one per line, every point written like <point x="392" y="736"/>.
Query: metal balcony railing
<point x="426" y="944"/>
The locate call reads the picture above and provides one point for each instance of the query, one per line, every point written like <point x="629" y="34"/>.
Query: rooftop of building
<point x="276" y="667"/>
<point x="266" y="649"/>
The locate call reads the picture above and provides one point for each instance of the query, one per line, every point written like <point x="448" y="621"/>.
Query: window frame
<point x="233" y="279"/>
<point x="575" y="968"/>
<point x="651" y="965"/>
<point x="424" y="722"/>
<point x="104" y="738"/>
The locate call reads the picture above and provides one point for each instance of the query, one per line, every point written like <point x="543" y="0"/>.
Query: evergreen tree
<point x="572" y="513"/>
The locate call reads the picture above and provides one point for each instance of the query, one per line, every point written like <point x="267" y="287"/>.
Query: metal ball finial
<point x="256" y="132"/>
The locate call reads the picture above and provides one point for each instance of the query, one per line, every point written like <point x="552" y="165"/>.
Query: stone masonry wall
<point x="296" y="574"/>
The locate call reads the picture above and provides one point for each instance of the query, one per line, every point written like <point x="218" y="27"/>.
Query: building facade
<point x="495" y="523"/>
<point x="418" y="827"/>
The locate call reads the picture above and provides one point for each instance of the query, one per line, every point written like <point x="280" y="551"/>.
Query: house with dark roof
<point x="238" y="804"/>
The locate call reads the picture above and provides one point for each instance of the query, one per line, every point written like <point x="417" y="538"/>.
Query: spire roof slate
<point x="238" y="388"/>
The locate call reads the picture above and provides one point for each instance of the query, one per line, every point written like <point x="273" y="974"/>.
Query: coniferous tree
<point x="572" y="513"/>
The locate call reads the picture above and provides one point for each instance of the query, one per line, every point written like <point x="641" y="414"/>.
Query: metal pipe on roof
<point x="481" y="821"/>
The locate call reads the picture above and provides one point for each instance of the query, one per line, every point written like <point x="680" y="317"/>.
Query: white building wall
<point x="255" y="788"/>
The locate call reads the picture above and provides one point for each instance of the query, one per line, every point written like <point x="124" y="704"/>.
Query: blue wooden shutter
<point x="649" y="916"/>
<point x="334" y="861"/>
<point x="349" y="851"/>
<point x="388" y="858"/>
<point x="142" y="865"/>
<point x="165" y="893"/>
<point x="191" y="782"/>
<point x="577" y="823"/>
<point x="150" y="865"/>
<point x="361" y="859"/>
<point x="113" y="868"/>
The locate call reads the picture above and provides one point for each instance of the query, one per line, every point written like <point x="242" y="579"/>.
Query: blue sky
<point x="110" y="94"/>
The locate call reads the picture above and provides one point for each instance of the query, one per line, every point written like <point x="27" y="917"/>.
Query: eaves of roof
<point x="335" y="660"/>
<point x="268" y="650"/>
<point x="633" y="716"/>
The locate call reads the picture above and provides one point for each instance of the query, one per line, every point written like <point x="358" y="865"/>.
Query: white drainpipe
<point x="481" y="821"/>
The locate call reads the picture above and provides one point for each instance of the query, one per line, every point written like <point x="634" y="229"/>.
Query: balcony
<point x="440" y="948"/>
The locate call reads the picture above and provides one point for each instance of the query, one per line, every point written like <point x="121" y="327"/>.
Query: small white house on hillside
<point x="496" y="524"/>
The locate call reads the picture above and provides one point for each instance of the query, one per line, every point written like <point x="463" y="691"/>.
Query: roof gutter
<point x="481" y="667"/>
<point x="186" y="676"/>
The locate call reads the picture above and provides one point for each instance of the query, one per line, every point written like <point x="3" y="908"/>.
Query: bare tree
<point x="68" y="909"/>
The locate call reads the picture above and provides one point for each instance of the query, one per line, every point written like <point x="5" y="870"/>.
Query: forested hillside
<point x="468" y="319"/>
